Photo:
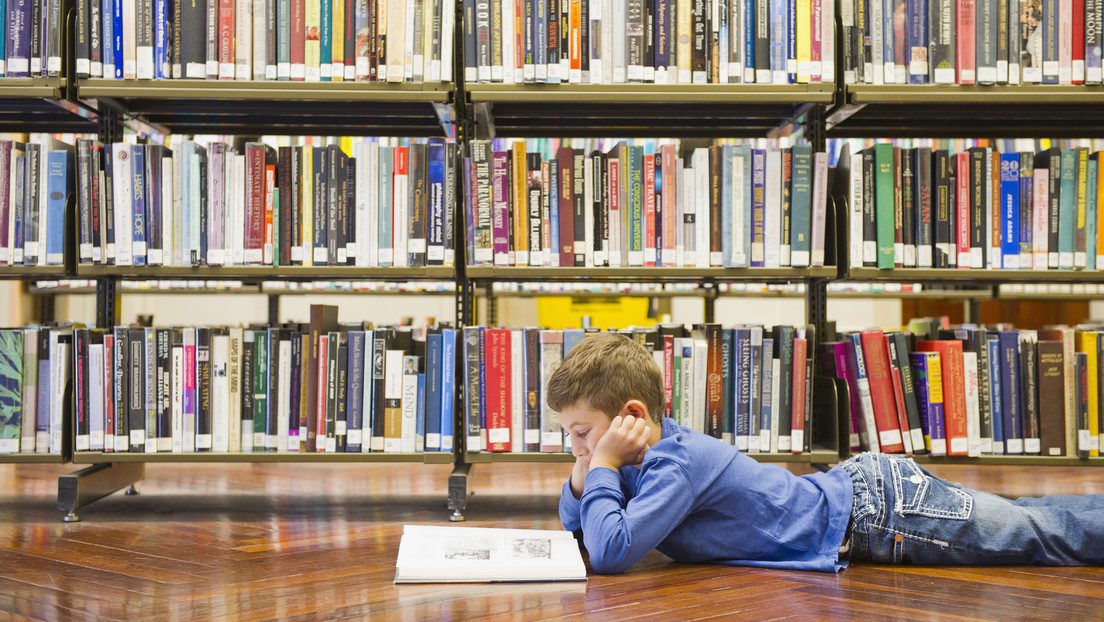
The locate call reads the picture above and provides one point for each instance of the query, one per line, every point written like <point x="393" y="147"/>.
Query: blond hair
<point x="604" y="372"/>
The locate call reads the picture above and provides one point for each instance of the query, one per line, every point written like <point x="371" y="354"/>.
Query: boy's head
<point x="606" y="375"/>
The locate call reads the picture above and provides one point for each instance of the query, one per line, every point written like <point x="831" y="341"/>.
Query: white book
<point x="868" y="426"/>
<point x="1065" y="42"/>
<point x="877" y="41"/>
<point x="409" y="372"/>
<point x="701" y="354"/>
<point x="122" y="189"/>
<point x="408" y="41"/>
<point x="248" y="339"/>
<point x="361" y="194"/>
<point x="26" y="441"/>
<point x="973" y="407"/>
<point x="176" y="399"/>
<point x="283" y="400"/>
<point x="61" y="363"/>
<point x="130" y="43"/>
<point x="393" y="390"/>
<point x="609" y="8"/>
<point x="243" y="39"/>
<point x="860" y="252"/>
<point x="739" y="208"/>
<point x="94" y="439"/>
<point x="396" y="41"/>
<point x="619" y="69"/>
<point x="234" y="386"/>
<point x="367" y="396"/>
<point x="261" y="70"/>
<point x="237" y="241"/>
<point x="596" y="17"/>
<point x="827" y="67"/>
<point x="517" y="392"/>
<point x="776" y="404"/>
<point x="220" y="394"/>
<point x="430" y="554"/>
<point x="819" y="215"/>
<point x="163" y="256"/>
<point x="505" y="73"/>
<point x="178" y="220"/>
<point x="772" y="214"/>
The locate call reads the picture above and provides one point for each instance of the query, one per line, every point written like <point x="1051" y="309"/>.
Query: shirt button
<point x="916" y="479"/>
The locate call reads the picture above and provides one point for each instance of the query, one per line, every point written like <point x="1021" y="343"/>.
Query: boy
<point x="641" y="482"/>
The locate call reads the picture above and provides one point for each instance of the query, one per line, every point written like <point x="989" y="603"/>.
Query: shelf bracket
<point x="274" y="309"/>
<point x="816" y="305"/>
<point x="458" y="488"/>
<point x="108" y="302"/>
<point x="491" y="303"/>
<point x="76" y="490"/>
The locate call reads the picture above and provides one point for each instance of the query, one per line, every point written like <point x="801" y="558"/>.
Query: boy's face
<point x="585" y="425"/>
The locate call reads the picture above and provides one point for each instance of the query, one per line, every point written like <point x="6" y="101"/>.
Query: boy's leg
<point x="905" y="515"/>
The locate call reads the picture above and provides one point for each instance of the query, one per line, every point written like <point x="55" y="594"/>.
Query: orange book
<point x="954" y="392"/>
<point x="575" y="44"/>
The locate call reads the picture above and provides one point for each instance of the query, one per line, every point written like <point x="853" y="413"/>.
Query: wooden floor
<point x="279" y="541"/>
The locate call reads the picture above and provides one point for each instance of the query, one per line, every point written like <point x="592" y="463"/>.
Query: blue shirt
<point x="698" y="500"/>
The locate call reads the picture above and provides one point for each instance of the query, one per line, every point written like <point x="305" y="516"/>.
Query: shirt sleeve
<point x="616" y="534"/>
<point x="569" y="508"/>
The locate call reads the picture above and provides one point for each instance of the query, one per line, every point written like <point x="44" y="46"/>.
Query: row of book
<point x="976" y="208"/>
<point x="303" y="40"/>
<point x="659" y="41"/>
<point x="970" y="391"/>
<point x="34" y="383"/>
<point x="639" y="203"/>
<point x="35" y="183"/>
<point x="971" y="41"/>
<point x="747" y="386"/>
<point x="377" y="203"/>
<point x="32" y="38"/>
<point x="299" y="388"/>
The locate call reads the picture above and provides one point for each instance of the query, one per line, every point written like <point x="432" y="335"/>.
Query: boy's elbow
<point x="606" y="564"/>
<point x="609" y="557"/>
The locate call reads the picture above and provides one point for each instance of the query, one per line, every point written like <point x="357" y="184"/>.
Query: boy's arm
<point x="572" y="491"/>
<point x="616" y="534"/>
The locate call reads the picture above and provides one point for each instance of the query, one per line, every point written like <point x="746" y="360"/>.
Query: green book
<point x="325" y="40"/>
<point x="1079" y="235"/>
<point x="1067" y="207"/>
<point x="801" y="205"/>
<point x="883" y="183"/>
<point x="636" y="206"/>
<point x="260" y="389"/>
<point x="1090" y="212"/>
<point x="11" y="389"/>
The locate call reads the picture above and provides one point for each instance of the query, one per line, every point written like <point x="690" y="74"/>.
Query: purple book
<point x="758" y="206"/>
<point x="500" y="214"/>
<point x="216" y="199"/>
<point x="842" y="354"/>
<point x="929" y="399"/>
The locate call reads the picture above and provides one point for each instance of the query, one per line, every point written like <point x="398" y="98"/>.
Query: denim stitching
<point x="916" y="505"/>
<point x="905" y="534"/>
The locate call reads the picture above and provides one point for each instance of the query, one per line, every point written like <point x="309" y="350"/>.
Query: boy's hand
<point x="624" y="443"/>
<point x="578" y="474"/>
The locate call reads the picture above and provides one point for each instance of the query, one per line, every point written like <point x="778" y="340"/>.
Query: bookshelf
<point x="42" y="105"/>
<point x="96" y="457"/>
<point x="819" y="455"/>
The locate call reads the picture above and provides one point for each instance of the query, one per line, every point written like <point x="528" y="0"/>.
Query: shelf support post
<point x="108" y="302"/>
<point x="274" y="309"/>
<point x="709" y="301"/>
<point x="816" y="305"/>
<point x="491" y="302"/>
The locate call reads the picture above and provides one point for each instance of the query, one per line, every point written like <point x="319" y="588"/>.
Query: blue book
<point x="386" y="172"/>
<point x="571" y="338"/>
<point x="3" y="31"/>
<point x="1011" y="413"/>
<point x="116" y="37"/>
<point x="540" y="34"/>
<point x="918" y="361"/>
<point x="354" y="396"/>
<point x="997" y="412"/>
<point x="663" y="13"/>
<point x="780" y="43"/>
<point x="755" y="353"/>
<point x="1090" y="213"/>
<point x="435" y="251"/>
<point x="19" y="38"/>
<point x="369" y="389"/>
<point x="749" y="40"/>
<point x="1010" y="210"/>
<point x="791" y="43"/>
<point x="448" y="387"/>
<point x="433" y="392"/>
<point x="742" y="386"/>
<point x="186" y="155"/>
<point x="420" y="421"/>
<point x="766" y="399"/>
<point x="325" y="39"/>
<point x="554" y="212"/>
<point x="1049" y="26"/>
<point x="57" y="190"/>
<point x="1067" y="207"/>
<point x="888" y="7"/>
<point x="138" y="177"/>
<point x="162" y="24"/>
<point x="917" y="28"/>
<point x="17" y="209"/>
<point x="482" y="387"/>
<point x="758" y="205"/>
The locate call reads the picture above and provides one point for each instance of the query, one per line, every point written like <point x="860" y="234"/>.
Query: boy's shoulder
<point x="689" y="449"/>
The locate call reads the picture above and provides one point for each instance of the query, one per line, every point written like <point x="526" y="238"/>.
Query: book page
<point x="476" y="554"/>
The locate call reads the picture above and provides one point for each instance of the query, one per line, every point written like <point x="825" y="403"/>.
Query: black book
<point x="297" y="437"/>
<point x="810" y="368"/>
<point x="283" y="183"/>
<point x="83" y="47"/>
<point x="164" y="390"/>
<point x="1081" y="383"/>
<point x="203" y="390"/>
<point x="330" y="406"/>
<point x="272" y="422"/>
<point x="531" y="338"/>
<point x="1052" y="161"/>
<point x="94" y="38"/>
<point x="37" y="10"/>
<point x="81" y="340"/>
<point x="870" y="222"/>
<point x="450" y="201"/>
<point x="533" y="164"/>
<point x="473" y="376"/>
<point x="120" y="366"/>
<point x="699" y="40"/>
<point x="247" y="388"/>
<point x="925" y="238"/>
<point x="335" y="218"/>
<point x="154" y="208"/>
<point x="136" y="389"/>
<point x="211" y="39"/>
<point x="341" y="394"/>
<point x="469" y="55"/>
<point x="762" y="42"/>
<point x="295" y="199"/>
<point x="348" y="206"/>
<point x="320" y="208"/>
<point x="585" y="35"/>
<point x="202" y="154"/>
<point x="908" y="205"/>
<point x="84" y="199"/>
<point x="978" y="342"/>
<point x="383" y="341"/>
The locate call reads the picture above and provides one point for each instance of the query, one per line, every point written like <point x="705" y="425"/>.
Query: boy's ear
<point x="635" y="408"/>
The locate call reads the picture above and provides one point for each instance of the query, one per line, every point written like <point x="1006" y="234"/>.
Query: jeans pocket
<point x="916" y="492"/>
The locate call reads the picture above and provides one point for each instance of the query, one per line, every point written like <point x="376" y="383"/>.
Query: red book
<point x="962" y="199"/>
<point x="649" y="211"/>
<point x="1079" y="41"/>
<point x="254" y="202"/>
<point x="496" y="389"/>
<point x="966" y="51"/>
<point x="226" y="39"/>
<point x="297" y="54"/>
<point x="565" y="165"/>
<point x="797" y="421"/>
<point x="616" y="243"/>
<point x="898" y="392"/>
<point x="881" y="391"/>
<point x="668" y="374"/>
<point x="954" y="390"/>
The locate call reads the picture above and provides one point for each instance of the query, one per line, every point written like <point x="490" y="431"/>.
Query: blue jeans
<point x="903" y="514"/>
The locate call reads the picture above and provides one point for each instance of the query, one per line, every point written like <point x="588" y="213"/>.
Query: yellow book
<point x="682" y="35"/>
<point x="1086" y="342"/>
<point x="312" y="52"/>
<point x="396" y="41"/>
<point x="337" y="56"/>
<point x="520" y="191"/>
<point x="802" y="42"/>
<point x="308" y="205"/>
<point x="935" y="396"/>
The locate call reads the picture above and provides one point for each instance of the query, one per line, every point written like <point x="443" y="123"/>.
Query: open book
<point x="430" y="554"/>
